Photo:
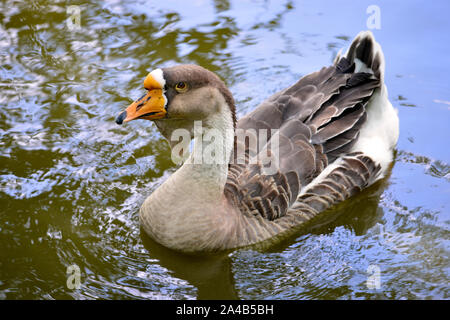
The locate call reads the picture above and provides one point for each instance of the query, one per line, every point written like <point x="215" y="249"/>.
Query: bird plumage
<point x="334" y="131"/>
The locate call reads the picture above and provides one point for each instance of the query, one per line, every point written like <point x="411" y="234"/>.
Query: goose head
<point x="178" y="96"/>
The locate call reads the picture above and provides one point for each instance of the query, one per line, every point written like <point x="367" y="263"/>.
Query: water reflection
<point x="211" y="275"/>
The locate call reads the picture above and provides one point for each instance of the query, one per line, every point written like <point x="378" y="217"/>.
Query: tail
<point x="367" y="55"/>
<point x="379" y="134"/>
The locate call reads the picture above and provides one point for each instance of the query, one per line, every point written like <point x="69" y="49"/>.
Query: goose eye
<point x="181" y="87"/>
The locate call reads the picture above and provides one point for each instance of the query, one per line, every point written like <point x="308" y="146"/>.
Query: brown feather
<point x="318" y="119"/>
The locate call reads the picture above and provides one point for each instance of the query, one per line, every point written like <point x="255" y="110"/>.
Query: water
<point x="72" y="181"/>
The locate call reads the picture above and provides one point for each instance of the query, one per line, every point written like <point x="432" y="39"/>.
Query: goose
<point x="323" y="140"/>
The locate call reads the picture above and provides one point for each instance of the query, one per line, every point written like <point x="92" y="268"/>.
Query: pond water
<point x="72" y="181"/>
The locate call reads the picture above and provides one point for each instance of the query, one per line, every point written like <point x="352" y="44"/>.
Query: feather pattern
<point x="318" y="120"/>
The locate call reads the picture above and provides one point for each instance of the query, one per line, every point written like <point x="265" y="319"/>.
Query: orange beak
<point x="150" y="107"/>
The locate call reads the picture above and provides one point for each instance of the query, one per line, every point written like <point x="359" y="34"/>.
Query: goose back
<point x="316" y="121"/>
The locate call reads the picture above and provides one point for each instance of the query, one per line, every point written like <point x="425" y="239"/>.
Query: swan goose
<point x="333" y="133"/>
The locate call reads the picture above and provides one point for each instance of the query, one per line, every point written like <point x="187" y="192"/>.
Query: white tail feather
<point x="379" y="134"/>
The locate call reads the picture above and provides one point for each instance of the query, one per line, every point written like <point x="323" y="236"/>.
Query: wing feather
<point x="315" y="121"/>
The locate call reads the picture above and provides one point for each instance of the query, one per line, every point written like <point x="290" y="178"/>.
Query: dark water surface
<point x="72" y="181"/>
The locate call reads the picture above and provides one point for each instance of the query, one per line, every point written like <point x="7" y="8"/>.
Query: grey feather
<point x="318" y="119"/>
